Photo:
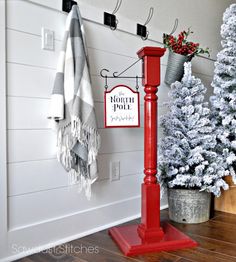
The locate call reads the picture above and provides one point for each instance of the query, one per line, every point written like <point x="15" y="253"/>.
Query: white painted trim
<point x="76" y="236"/>
<point x="3" y="135"/>
<point x="68" y="239"/>
<point x="75" y="213"/>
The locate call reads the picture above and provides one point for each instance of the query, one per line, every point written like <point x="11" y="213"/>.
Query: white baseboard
<point x="34" y="230"/>
<point x="68" y="239"/>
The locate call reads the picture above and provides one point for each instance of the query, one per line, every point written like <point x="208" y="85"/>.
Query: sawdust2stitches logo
<point x="59" y="252"/>
<point x="68" y="249"/>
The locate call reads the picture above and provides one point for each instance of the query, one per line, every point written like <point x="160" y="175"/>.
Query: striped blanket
<point x="72" y="108"/>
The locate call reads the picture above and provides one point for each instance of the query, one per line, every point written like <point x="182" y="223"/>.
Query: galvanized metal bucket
<point x="175" y="67"/>
<point x="189" y="206"/>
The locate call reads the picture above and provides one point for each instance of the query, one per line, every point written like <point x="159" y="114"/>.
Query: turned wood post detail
<point x="150" y="221"/>
<point x="150" y="235"/>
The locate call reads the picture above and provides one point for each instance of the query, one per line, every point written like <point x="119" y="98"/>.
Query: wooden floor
<point x="216" y="238"/>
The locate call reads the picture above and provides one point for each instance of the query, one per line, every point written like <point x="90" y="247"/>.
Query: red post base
<point x="130" y="243"/>
<point x="150" y="223"/>
<point x="150" y="235"/>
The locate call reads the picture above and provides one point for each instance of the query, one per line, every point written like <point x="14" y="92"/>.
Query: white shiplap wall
<point x="39" y="199"/>
<point x="40" y="203"/>
<point x="3" y="134"/>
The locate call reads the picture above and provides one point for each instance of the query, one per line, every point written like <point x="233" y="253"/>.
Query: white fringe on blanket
<point x="66" y="140"/>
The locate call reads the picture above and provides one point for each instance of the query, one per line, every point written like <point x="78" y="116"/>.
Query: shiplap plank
<point x="24" y="145"/>
<point x="28" y="113"/>
<point x="114" y="62"/>
<point x="121" y="139"/>
<point x="37" y="15"/>
<point x="33" y="176"/>
<point x="55" y="4"/>
<point x="28" y="81"/>
<point x="22" y="48"/>
<point x="41" y="206"/>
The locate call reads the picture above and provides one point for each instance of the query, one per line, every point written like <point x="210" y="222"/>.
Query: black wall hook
<point x="110" y="19"/>
<point x="142" y="29"/>
<point x="67" y="5"/>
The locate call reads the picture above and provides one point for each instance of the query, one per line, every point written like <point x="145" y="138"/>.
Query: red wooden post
<point x="150" y="224"/>
<point x="150" y="236"/>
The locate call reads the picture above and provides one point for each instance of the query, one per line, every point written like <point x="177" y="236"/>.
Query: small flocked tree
<point x="187" y="158"/>
<point x="224" y="99"/>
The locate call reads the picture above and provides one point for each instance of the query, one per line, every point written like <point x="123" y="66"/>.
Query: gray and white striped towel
<point x="72" y="107"/>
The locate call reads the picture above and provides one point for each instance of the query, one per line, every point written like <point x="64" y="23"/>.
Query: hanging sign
<point x="121" y="107"/>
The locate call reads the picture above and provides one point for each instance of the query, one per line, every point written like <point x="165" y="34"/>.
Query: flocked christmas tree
<point x="187" y="158"/>
<point x="224" y="99"/>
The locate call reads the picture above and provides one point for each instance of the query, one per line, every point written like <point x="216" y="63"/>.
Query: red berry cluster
<point x="180" y="45"/>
